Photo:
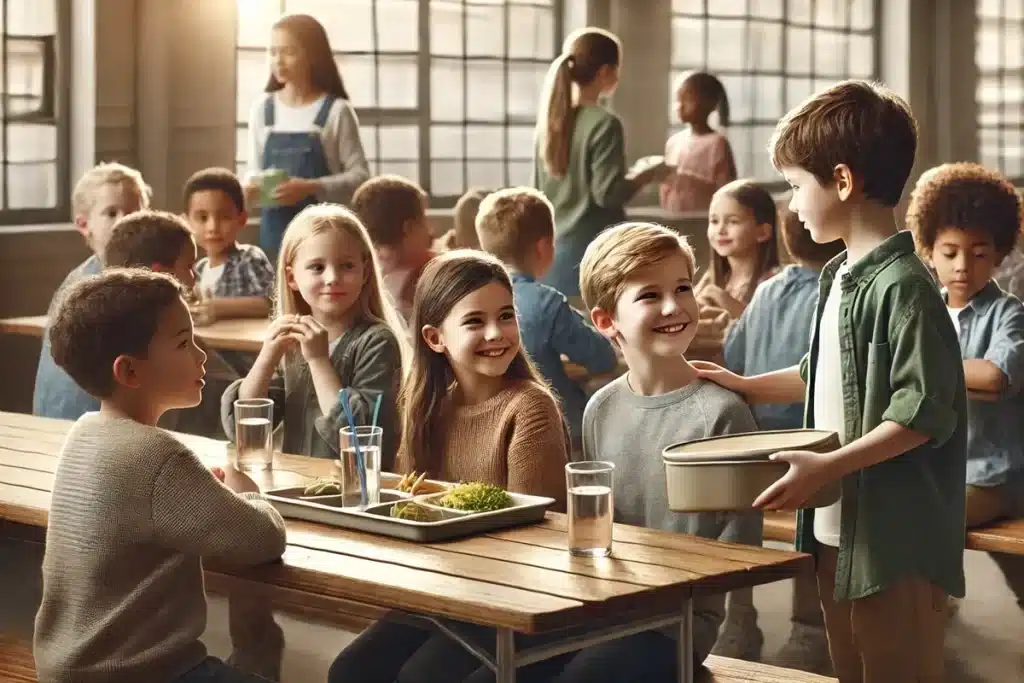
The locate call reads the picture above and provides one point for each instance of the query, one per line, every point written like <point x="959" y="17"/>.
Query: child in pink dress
<point x="701" y="155"/>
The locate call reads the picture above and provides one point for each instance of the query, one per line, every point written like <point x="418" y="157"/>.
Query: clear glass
<point x="589" y="486"/>
<point x="254" y="434"/>
<point x="359" y="468"/>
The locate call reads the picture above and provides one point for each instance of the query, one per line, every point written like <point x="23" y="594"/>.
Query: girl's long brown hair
<point x="446" y="280"/>
<point x="323" y="70"/>
<point x="584" y="53"/>
<point x="760" y="203"/>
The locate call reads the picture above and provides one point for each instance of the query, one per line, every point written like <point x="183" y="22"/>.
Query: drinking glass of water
<point x="254" y="434"/>
<point x="359" y="471"/>
<point x="590" y="507"/>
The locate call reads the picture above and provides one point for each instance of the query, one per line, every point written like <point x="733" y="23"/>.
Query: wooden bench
<point x="17" y="664"/>
<point x="725" y="670"/>
<point x="1006" y="536"/>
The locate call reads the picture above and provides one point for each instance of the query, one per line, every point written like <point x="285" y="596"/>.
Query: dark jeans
<point x="213" y="670"/>
<point x="391" y="652"/>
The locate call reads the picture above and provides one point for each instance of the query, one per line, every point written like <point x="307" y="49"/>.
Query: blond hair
<point x="465" y="213"/>
<point x="584" y="52"/>
<point x="373" y="305"/>
<point x="510" y="222"/>
<point x="618" y="252"/>
<point x="83" y="199"/>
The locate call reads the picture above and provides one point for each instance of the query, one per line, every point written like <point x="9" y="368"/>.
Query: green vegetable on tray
<point x="476" y="497"/>
<point x="414" y="512"/>
<point x="323" y="487"/>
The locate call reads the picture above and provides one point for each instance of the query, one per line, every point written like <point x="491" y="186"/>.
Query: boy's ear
<point x="82" y="226"/>
<point x="125" y="372"/>
<point x="432" y="336"/>
<point x="158" y="268"/>
<point x="604" y="322"/>
<point x="845" y="181"/>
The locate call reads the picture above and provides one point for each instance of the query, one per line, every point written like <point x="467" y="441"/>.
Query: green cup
<point x="269" y="180"/>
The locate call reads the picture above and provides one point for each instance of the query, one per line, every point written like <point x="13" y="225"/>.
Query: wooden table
<point x="519" y="580"/>
<point x="241" y="334"/>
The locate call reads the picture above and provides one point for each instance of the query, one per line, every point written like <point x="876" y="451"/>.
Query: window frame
<point x="421" y="115"/>
<point x="1001" y="74"/>
<point x="776" y="184"/>
<point x="54" y="109"/>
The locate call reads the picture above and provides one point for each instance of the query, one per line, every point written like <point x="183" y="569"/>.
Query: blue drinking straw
<point x="376" y="409"/>
<point x="360" y="465"/>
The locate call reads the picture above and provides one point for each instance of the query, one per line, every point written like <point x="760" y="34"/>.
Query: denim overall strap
<point x="300" y="154"/>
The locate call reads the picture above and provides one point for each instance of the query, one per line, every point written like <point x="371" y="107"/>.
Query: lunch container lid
<point x="747" y="447"/>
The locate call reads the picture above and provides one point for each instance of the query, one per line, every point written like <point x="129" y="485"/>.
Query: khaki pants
<point x="893" y="636"/>
<point x="257" y="642"/>
<point x="988" y="504"/>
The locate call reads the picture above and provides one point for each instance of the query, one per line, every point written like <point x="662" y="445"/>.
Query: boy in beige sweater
<point x="134" y="510"/>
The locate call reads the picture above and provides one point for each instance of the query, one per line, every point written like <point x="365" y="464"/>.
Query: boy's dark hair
<point x="861" y="124"/>
<point x="967" y="196"/>
<point x="105" y="316"/>
<point x="215" y="178"/>
<point x="143" y="238"/>
<point x="385" y="204"/>
<point x="510" y="222"/>
<point x="801" y="247"/>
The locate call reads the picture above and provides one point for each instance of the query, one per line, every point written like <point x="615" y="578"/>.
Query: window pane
<point x="242" y="146"/>
<point x="485" y="142"/>
<point x="349" y="23"/>
<point x="446" y="27"/>
<point x="520" y="142"/>
<point x="531" y="32"/>
<point x="398" y="79"/>
<point x="525" y="82"/>
<point x="485" y="96"/>
<point x="359" y="74"/>
<point x="255" y="20"/>
<point x="446" y="178"/>
<point x="399" y="142"/>
<point x="31" y="17"/>
<point x="398" y="25"/>
<point x="999" y="95"/>
<point x="31" y="166"/>
<point x="485" y="35"/>
<point x="831" y="53"/>
<point x="252" y="77"/>
<point x="446" y="142"/>
<point x="519" y="173"/>
<point x="406" y="169"/>
<point x="766" y="45"/>
<point x="726" y="44"/>
<point x="687" y="42"/>
<point x="485" y="173"/>
<point x="25" y="68"/>
<point x="447" y="94"/>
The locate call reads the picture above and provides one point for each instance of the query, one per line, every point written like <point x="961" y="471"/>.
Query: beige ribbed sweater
<point x="515" y="440"/>
<point x="133" y="510"/>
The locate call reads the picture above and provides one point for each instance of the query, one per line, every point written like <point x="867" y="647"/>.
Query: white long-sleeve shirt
<point x="340" y="137"/>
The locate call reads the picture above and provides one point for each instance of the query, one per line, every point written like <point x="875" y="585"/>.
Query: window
<point x="999" y="54"/>
<point x="34" y="183"/>
<point x="446" y="90"/>
<point x="770" y="55"/>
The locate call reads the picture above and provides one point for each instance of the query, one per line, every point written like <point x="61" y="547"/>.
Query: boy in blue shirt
<point x="884" y="372"/>
<point x="517" y="225"/>
<point x="102" y="196"/>
<point x="966" y="219"/>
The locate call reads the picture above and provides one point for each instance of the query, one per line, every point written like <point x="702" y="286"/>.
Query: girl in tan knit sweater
<point x="473" y="407"/>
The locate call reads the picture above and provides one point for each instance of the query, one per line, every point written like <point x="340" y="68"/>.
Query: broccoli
<point x="476" y="497"/>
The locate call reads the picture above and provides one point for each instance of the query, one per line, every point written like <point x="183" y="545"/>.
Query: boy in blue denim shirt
<point x="773" y="333"/>
<point x="103" y="195"/>
<point x="885" y="373"/>
<point x="966" y="219"/>
<point x="517" y="225"/>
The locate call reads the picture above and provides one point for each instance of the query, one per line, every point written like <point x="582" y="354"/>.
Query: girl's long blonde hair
<point x="446" y="280"/>
<point x="584" y="52"/>
<point x="373" y="305"/>
<point x="762" y="206"/>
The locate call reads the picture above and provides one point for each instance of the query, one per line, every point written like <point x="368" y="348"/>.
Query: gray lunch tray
<point x="525" y="510"/>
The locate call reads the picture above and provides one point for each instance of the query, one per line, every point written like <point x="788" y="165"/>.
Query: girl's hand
<point x="294" y="190"/>
<point x="312" y="338"/>
<point x="252" y="193"/>
<point x="281" y="336"/>
<point x="720" y="298"/>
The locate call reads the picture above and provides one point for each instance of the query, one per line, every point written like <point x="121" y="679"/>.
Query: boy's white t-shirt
<point x="210" y="277"/>
<point x="828" y="399"/>
<point x="954" y="314"/>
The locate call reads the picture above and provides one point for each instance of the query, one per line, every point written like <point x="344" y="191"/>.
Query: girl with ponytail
<point x="580" y="156"/>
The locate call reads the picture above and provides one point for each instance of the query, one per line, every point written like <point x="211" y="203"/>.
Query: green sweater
<point x="591" y="196"/>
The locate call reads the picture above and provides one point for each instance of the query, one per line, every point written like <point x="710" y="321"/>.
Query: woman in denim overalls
<point x="321" y="159"/>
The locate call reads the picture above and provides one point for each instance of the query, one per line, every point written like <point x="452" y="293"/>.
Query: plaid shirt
<point x="247" y="272"/>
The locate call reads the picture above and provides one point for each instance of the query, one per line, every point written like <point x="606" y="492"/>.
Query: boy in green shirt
<point x="884" y="372"/>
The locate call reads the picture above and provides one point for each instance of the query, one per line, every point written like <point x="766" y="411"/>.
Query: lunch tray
<point x="376" y="519"/>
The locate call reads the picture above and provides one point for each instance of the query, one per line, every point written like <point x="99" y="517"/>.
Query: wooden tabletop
<point x="240" y="334"/>
<point x="522" y="578"/>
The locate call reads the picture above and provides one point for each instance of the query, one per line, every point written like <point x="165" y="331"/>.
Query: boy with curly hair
<point x="966" y="219"/>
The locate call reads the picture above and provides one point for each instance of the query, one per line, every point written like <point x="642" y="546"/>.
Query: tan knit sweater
<point x="133" y="510"/>
<point x="515" y="440"/>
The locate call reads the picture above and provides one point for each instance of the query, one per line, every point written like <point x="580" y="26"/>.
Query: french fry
<point x="416" y="484"/>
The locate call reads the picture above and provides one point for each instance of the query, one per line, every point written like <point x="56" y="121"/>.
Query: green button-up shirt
<point x="900" y="363"/>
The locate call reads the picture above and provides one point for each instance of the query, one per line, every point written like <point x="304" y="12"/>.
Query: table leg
<point x="505" y="658"/>
<point x="685" y="646"/>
